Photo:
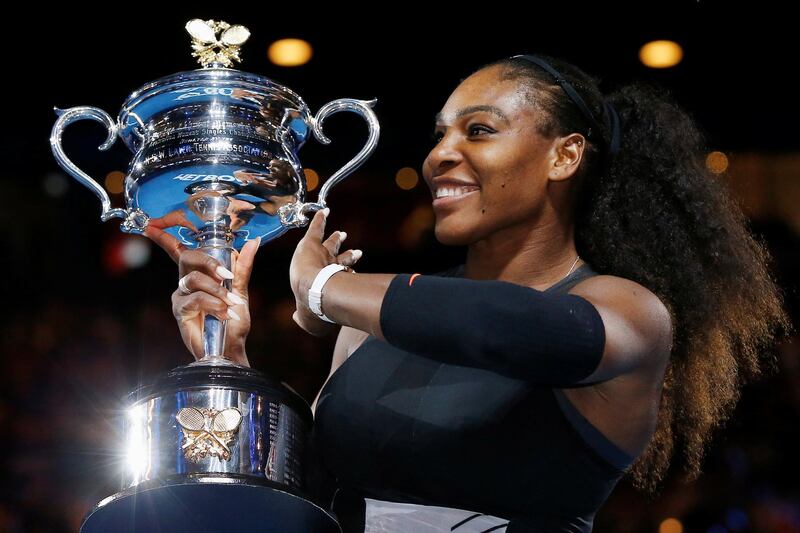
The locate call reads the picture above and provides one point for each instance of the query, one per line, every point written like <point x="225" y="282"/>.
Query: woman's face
<point x="489" y="168"/>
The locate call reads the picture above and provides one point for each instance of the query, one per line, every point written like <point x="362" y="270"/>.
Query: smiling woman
<point x="611" y="305"/>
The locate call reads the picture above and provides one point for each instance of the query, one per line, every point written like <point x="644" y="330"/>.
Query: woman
<point x="611" y="305"/>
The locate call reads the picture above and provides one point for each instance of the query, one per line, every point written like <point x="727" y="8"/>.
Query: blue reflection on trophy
<point x="213" y="445"/>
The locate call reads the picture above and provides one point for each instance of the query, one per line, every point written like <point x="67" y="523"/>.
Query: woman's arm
<point x="550" y="338"/>
<point x="554" y="338"/>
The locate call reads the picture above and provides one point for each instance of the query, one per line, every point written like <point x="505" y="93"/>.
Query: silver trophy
<point x="214" y="446"/>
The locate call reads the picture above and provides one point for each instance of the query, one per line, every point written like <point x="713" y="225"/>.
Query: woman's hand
<point x="311" y="256"/>
<point x="200" y="292"/>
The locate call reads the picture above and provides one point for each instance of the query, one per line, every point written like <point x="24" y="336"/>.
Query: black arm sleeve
<point x="547" y="338"/>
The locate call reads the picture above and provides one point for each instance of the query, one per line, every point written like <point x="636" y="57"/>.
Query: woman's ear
<point x="568" y="153"/>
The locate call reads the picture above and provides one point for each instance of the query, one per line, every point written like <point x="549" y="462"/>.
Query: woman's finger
<point x="244" y="266"/>
<point x="192" y="260"/>
<point x="349" y="257"/>
<point x="197" y="281"/>
<point x="334" y="242"/>
<point x="316" y="229"/>
<point x="188" y="308"/>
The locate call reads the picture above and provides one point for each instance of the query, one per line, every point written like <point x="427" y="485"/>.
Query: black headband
<point x="594" y="125"/>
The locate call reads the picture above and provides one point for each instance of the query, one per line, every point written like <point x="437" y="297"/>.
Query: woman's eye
<point x="477" y="127"/>
<point x="473" y="130"/>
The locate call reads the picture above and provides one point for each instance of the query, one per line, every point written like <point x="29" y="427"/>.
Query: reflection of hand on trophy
<point x="215" y="169"/>
<point x="265" y="185"/>
<point x="172" y="219"/>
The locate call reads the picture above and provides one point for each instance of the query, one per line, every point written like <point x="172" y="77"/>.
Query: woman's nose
<point x="444" y="154"/>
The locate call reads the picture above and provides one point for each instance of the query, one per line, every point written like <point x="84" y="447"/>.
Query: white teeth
<point x="442" y="192"/>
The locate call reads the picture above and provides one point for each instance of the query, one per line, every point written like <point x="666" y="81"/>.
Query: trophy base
<point x="208" y="504"/>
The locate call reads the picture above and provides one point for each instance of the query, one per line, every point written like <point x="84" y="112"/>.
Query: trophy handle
<point x="294" y="214"/>
<point x="135" y="220"/>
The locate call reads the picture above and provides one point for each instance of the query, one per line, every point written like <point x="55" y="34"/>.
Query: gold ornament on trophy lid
<point x="216" y="43"/>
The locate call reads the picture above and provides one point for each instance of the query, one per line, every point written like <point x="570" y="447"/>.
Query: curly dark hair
<point x="655" y="215"/>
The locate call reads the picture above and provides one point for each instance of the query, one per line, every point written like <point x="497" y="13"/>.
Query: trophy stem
<point x="214" y="329"/>
<point x="211" y="202"/>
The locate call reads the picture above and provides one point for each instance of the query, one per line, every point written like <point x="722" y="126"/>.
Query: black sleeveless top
<point x="395" y="426"/>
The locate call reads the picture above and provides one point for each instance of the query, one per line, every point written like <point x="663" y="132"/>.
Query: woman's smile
<point x="450" y="194"/>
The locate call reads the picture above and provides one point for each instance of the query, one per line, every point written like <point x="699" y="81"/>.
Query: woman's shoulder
<point x="629" y="302"/>
<point x="607" y="285"/>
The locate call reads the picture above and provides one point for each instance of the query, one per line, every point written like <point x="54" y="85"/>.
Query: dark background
<point x="80" y="330"/>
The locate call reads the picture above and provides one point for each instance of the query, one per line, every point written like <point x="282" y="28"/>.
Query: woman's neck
<point x="534" y="257"/>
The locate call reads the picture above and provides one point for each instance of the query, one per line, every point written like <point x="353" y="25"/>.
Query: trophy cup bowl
<point x="214" y="446"/>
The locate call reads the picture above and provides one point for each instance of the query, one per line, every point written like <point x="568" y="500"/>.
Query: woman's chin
<point x="451" y="236"/>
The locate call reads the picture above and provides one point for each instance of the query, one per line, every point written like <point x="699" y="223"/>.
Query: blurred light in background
<point x="312" y="179"/>
<point x="290" y="52"/>
<point x="670" y="525"/>
<point x="55" y="184"/>
<point x="717" y="162"/>
<point x="125" y="252"/>
<point x="115" y="181"/>
<point x="661" y="54"/>
<point x="406" y="178"/>
<point x="135" y="252"/>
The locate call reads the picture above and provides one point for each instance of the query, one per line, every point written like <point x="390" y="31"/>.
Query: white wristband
<point x="315" y="292"/>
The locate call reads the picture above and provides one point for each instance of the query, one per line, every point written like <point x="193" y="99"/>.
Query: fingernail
<point x="342" y="236"/>
<point x="357" y="255"/>
<point x="224" y="272"/>
<point x="326" y="211"/>
<point x="233" y="315"/>
<point x="258" y="241"/>
<point x="235" y="298"/>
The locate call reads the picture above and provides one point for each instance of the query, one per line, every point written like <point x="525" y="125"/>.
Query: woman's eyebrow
<point x="474" y="109"/>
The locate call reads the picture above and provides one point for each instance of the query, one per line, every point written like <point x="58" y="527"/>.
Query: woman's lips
<point x="447" y="201"/>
